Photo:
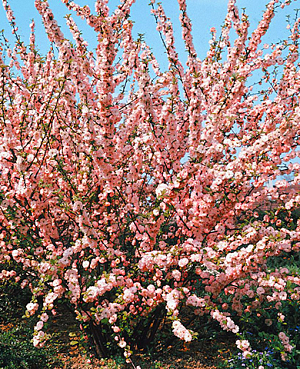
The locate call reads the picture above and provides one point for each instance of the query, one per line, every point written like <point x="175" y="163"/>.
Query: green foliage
<point x="262" y="331"/>
<point x="257" y="359"/>
<point x="13" y="300"/>
<point x="16" y="348"/>
<point x="18" y="352"/>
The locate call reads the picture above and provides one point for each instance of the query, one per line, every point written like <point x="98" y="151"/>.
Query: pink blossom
<point x="243" y="345"/>
<point x="39" y="325"/>
<point x="32" y="307"/>
<point x="122" y="343"/>
<point x="268" y="322"/>
<point x="161" y="189"/>
<point x="44" y="317"/>
<point x="260" y="291"/>
<point x="176" y="275"/>
<point x="181" y="332"/>
<point x="183" y="262"/>
<point x="85" y="264"/>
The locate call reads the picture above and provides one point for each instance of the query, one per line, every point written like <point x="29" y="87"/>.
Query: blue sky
<point x="204" y="14"/>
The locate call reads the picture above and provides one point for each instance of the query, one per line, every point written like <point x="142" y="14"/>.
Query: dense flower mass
<point x="133" y="192"/>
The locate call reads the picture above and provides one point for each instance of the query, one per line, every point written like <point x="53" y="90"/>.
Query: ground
<point x="71" y="350"/>
<point x="200" y="354"/>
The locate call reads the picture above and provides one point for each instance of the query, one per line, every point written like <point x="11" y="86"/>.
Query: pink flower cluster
<point x="285" y="341"/>
<point x="181" y="332"/>
<point x="225" y="321"/>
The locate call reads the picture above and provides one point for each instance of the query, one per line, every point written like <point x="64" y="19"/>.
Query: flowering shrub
<point x="133" y="192"/>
